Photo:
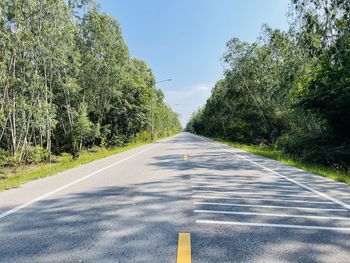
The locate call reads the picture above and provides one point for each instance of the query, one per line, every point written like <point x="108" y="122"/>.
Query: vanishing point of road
<point x="228" y="205"/>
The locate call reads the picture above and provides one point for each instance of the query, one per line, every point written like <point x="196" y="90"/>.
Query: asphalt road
<point x="130" y="207"/>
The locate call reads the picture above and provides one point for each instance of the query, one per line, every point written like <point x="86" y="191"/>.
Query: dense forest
<point x="288" y="90"/>
<point x="68" y="82"/>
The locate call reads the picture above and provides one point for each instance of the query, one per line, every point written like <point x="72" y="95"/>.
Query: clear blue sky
<point x="185" y="39"/>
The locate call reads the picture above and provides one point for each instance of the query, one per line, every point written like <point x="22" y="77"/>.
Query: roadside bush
<point x="143" y="136"/>
<point x="5" y="158"/>
<point x="316" y="149"/>
<point x="118" y="141"/>
<point x="35" y="154"/>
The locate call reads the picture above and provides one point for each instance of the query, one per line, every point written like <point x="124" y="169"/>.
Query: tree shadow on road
<point x="138" y="223"/>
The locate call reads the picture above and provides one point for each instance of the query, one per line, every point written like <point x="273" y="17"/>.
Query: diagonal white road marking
<point x="275" y="190"/>
<point x="270" y="215"/>
<point x="271" y="225"/>
<point x="252" y="193"/>
<point x="323" y="195"/>
<point x="261" y="199"/>
<point x="271" y="206"/>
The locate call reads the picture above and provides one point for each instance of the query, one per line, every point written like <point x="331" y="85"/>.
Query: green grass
<point x="60" y="163"/>
<point x="278" y="155"/>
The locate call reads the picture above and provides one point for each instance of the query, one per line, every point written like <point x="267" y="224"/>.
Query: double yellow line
<point x="184" y="248"/>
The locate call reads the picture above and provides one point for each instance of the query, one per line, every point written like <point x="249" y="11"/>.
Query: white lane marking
<point x="249" y="193"/>
<point x="271" y="225"/>
<point x="245" y="184"/>
<point x="26" y="204"/>
<point x="250" y="180"/>
<point x="347" y="206"/>
<point x="269" y="214"/>
<point x="260" y="199"/>
<point x="247" y="188"/>
<point x="271" y="206"/>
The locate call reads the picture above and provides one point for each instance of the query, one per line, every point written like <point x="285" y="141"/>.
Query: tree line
<point x="68" y="82"/>
<point x="288" y="89"/>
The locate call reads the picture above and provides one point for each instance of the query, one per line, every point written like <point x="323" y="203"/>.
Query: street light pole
<point x="163" y="81"/>
<point x="152" y="109"/>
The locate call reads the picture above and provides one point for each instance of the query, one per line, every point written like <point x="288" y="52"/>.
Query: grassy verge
<point x="60" y="163"/>
<point x="278" y="155"/>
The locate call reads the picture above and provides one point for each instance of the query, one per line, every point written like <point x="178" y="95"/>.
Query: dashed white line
<point x="271" y="206"/>
<point x="271" y="225"/>
<point x="270" y="215"/>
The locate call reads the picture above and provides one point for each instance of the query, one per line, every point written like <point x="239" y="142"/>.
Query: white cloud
<point x="203" y="88"/>
<point x="188" y="99"/>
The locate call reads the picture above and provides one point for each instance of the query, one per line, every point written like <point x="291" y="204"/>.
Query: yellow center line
<point x="184" y="248"/>
<point x="185" y="157"/>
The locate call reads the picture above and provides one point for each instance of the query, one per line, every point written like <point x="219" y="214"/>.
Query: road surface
<point x="131" y="207"/>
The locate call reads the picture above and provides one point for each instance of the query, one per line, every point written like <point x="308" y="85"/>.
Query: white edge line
<point x="26" y="204"/>
<point x="271" y="225"/>
<point x="286" y="177"/>
<point x="269" y="214"/>
<point x="271" y="206"/>
<point x="260" y="199"/>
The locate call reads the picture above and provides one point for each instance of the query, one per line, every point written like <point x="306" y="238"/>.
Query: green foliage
<point x="5" y="158"/>
<point x="288" y="90"/>
<point x="328" y="93"/>
<point x="277" y="154"/>
<point x="35" y="154"/>
<point x="67" y="82"/>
